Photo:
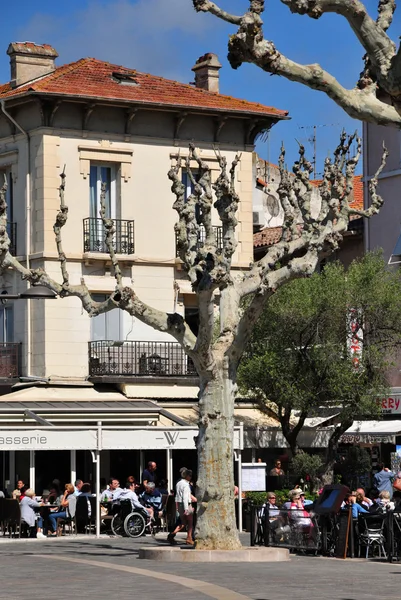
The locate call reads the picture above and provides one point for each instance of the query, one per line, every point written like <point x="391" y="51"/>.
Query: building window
<point x="189" y="187"/>
<point x="107" y="326"/>
<point x="6" y="323"/>
<point x="9" y="194"/>
<point x="102" y="174"/>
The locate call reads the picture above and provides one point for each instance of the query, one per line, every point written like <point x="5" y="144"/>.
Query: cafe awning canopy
<point x="372" y="432"/>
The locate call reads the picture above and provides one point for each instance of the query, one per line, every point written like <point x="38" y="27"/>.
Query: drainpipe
<point x="27" y="229"/>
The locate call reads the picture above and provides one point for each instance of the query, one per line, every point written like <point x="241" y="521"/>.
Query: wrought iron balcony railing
<point x="95" y="234"/>
<point x="135" y="359"/>
<point x="12" y="234"/>
<point x="9" y="360"/>
<point x="218" y="232"/>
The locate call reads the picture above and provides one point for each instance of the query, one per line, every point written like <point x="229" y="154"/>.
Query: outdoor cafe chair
<point x="371" y="533"/>
<point x="70" y="517"/>
<point x="12" y="517"/>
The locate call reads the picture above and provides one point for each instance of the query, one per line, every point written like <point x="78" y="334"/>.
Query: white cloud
<point x="149" y="35"/>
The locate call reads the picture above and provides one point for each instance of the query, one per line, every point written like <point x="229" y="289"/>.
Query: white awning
<point x="372" y="432"/>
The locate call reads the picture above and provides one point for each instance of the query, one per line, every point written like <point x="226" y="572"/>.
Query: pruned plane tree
<point x="230" y="301"/>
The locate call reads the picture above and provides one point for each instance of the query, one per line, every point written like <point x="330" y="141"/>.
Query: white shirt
<point x="112" y="494"/>
<point x="183" y="493"/>
<point x="129" y="495"/>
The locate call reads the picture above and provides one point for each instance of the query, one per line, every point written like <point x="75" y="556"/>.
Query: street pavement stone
<point x="28" y="567"/>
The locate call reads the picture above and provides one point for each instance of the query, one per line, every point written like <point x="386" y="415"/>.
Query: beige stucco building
<point x="106" y="123"/>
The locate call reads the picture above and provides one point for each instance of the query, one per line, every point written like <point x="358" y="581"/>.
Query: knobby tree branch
<point x="4" y="239"/>
<point x="305" y="238"/>
<point x="382" y="62"/>
<point x="61" y="219"/>
<point x="110" y="230"/>
<point x="208" y="259"/>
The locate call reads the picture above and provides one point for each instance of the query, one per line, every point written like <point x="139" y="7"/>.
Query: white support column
<point x="73" y="465"/>
<point x="12" y="470"/>
<point x="32" y="469"/>
<point x="141" y="464"/>
<point x="169" y="453"/>
<point x="99" y="447"/>
<point x="239" y="464"/>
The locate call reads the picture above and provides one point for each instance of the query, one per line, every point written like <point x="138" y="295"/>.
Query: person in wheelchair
<point x="152" y="498"/>
<point x="129" y="494"/>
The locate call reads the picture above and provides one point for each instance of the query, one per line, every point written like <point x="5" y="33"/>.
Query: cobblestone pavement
<point x="64" y="568"/>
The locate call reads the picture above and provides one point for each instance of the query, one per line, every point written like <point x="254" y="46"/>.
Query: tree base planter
<point x="254" y="554"/>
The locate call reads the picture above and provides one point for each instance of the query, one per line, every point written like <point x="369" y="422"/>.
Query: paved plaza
<point x="109" y="567"/>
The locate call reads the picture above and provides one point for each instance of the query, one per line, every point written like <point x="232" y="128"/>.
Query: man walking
<point x="383" y="481"/>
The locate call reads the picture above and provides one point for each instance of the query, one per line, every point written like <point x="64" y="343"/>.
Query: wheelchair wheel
<point x="117" y="525"/>
<point x="134" y="525"/>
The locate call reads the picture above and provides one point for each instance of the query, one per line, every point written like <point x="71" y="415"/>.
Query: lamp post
<point x="36" y="292"/>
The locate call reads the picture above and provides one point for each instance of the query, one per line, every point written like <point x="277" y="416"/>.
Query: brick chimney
<point x="206" y="71"/>
<point x="29" y="61"/>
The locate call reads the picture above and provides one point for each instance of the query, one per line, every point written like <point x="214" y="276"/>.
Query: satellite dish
<point x="272" y="205"/>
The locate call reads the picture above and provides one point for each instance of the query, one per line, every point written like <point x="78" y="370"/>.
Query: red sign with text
<point x="391" y="405"/>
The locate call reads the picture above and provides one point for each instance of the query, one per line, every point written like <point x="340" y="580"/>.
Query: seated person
<point x="271" y="505"/>
<point x="19" y="492"/>
<point x="152" y="498"/>
<point x="130" y="494"/>
<point x="113" y="490"/>
<point x="297" y="514"/>
<point x="29" y="508"/>
<point x="350" y="500"/>
<point x="55" y="495"/>
<point x="305" y="502"/>
<point x="86" y="490"/>
<point x="382" y="504"/>
<point x="62" y="513"/>
<point x="363" y="500"/>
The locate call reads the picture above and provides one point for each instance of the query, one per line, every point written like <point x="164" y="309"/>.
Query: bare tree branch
<point x="227" y="201"/>
<point x="375" y="198"/>
<point x="207" y="6"/>
<point x="4" y="239"/>
<point x="382" y="68"/>
<point x="287" y="199"/>
<point x="386" y="13"/>
<point x="370" y="33"/>
<point x="61" y="219"/>
<point x="110" y="230"/>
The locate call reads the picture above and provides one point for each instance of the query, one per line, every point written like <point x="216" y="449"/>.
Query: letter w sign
<point x="171" y="437"/>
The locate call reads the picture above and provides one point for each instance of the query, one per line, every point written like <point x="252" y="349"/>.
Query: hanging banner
<point x="47" y="439"/>
<point x="355" y="335"/>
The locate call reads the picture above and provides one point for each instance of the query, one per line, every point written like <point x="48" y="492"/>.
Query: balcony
<point x="111" y="359"/>
<point x="9" y="360"/>
<point x="12" y="234"/>
<point x="218" y="232"/>
<point x="95" y="234"/>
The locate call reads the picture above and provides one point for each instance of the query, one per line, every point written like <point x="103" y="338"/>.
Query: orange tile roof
<point x="271" y="235"/>
<point x="92" y="78"/>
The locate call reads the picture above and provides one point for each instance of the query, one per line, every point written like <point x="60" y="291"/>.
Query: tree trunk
<point x="328" y="472"/>
<point x="216" y="526"/>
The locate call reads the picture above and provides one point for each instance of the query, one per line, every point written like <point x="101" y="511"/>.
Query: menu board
<point x="253" y="477"/>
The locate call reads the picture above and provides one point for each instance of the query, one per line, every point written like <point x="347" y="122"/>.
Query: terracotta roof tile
<point x="271" y="235"/>
<point x="267" y="237"/>
<point x="92" y="78"/>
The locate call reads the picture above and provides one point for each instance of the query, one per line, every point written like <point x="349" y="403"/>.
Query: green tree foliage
<point x="299" y="359"/>
<point x="306" y="464"/>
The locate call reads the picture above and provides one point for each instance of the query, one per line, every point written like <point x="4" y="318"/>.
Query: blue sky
<point x="165" y="37"/>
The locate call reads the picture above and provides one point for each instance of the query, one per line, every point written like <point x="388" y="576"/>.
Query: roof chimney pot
<point x="29" y="61"/>
<point x="206" y="71"/>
